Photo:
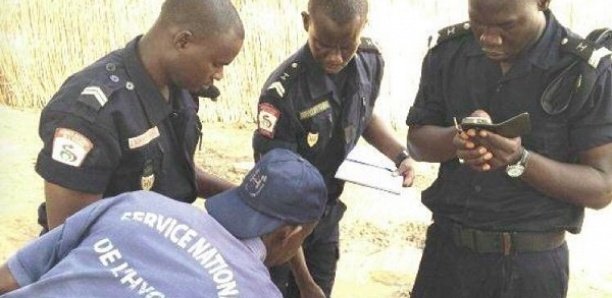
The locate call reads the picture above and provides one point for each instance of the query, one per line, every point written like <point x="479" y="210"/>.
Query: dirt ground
<point x="382" y="234"/>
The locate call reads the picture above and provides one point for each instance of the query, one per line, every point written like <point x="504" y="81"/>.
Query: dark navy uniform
<point x="457" y="79"/>
<point x="321" y="117"/>
<point x="109" y="130"/>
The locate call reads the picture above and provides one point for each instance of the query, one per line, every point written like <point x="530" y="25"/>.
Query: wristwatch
<point x="400" y="157"/>
<point x="517" y="169"/>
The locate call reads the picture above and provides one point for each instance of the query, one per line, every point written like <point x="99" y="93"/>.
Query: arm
<point x="209" y="185"/>
<point x="7" y="281"/>
<point x="432" y="143"/>
<point x="63" y="202"/>
<point x="308" y="287"/>
<point x="587" y="184"/>
<point x="379" y="135"/>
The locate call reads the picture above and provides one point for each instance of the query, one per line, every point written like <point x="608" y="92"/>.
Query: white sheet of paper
<point x="368" y="167"/>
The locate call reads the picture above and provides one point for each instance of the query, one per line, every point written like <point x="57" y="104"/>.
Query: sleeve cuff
<point x="79" y="179"/>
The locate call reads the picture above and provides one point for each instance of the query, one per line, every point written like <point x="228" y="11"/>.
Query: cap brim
<point x="238" y="218"/>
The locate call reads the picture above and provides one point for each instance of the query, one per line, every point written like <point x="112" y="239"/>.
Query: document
<point x="368" y="167"/>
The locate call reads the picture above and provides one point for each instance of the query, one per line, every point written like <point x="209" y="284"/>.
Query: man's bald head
<point x="203" y="18"/>
<point x="339" y="11"/>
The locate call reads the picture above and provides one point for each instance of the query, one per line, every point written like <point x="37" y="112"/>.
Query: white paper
<point x="368" y="167"/>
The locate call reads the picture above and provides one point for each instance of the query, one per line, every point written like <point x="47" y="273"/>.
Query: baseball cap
<point x="282" y="188"/>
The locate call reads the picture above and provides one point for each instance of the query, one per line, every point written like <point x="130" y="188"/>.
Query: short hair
<point x="339" y="11"/>
<point x="203" y="17"/>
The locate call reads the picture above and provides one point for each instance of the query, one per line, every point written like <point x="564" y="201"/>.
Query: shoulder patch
<point x="70" y="147"/>
<point x="278" y="87"/>
<point x="584" y="49"/>
<point x="267" y="116"/>
<point x="368" y="45"/>
<point x="449" y="33"/>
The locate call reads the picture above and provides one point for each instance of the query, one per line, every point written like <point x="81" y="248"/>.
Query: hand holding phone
<point x="511" y="128"/>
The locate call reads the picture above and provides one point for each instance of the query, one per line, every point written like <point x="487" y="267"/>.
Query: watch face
<point x="515" y="170"/>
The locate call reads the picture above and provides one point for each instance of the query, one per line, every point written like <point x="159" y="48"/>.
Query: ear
<point x="305" y="20"/>
<point x="291" y="232"/>
<point x="182" y="39"/>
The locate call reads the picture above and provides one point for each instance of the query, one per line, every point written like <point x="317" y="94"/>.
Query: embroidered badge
<point x="312" y="139"/>
<point x="70" y="147"/>
<point x="278" y="87"/>
<point x="148" y="176"/>
<point x="315" y="110"/>
<point x="266" y="119"/>
<point x="256" y="183"/>
<point x="143" y="139"/>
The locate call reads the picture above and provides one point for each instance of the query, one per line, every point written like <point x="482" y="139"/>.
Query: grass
<point x="43" y="42"/>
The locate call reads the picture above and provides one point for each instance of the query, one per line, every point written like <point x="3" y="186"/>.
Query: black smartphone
<point x="511" y="128"/>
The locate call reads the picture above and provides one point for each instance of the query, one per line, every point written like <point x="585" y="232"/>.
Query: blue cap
<point x="282" y="188"/>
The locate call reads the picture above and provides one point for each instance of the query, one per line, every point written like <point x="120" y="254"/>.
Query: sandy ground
<point x="382" y="234"/>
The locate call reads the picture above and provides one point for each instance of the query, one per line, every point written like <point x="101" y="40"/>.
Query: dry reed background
<point x="43" y="42"/>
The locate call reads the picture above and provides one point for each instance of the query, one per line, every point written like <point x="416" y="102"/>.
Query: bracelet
<point x="401" y="157"/>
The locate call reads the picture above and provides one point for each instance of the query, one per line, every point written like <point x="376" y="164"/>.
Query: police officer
<point x="501" y="205"/>
<point x="180" y="251"/>
<point x="129" y="121"/>
<point x="318" y="103"/>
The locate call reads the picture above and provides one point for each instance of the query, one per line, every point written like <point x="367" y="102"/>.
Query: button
<point x="129" y="85"/>
<point x="111" y="67"/>
<point x="466" y="26"/>
<point x="477" y="188"/>
<point x="564" y="41"/>
<point x="173" y="115"/>
<point x="114" y="78"/>
<point x="294" y="65"/>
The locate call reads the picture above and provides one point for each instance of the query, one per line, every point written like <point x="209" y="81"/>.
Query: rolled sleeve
<point x="428" y="107"/>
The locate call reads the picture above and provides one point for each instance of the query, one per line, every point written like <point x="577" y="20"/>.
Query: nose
<point x="218" y="75"/>
<point x="335" y="56"/>
<point x="490" y="39"/>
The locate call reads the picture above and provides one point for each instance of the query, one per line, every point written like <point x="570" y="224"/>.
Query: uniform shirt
<point x="457" y="78"/>
<point x="140" y="244"/>
<point x="109" y="130"/>
<point x="301" y="108"/>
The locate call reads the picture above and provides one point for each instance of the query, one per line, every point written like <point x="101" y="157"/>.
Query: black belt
<point x="481" y="241"/>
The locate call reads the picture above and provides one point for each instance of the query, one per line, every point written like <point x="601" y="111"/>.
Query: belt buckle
<point x="506" y="243"/>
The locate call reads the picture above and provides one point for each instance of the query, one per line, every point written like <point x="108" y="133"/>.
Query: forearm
<point x="7" y="281"/>
<point x="210" y="185"/>
<point x="300" y="270"/>
<point x="431" y="143"/>
<point x="576" y="184"/>
<point x="379" y="135"/>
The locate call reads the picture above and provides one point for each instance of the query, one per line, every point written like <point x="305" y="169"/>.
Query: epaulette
<point x="584" y="49"/>
<point x="368" y="45"/>
<point x="96" y="94"/>
<point x="449" y="33"/>
<point x="278" y="87"/>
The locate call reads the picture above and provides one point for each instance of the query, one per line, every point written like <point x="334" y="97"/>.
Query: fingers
<point x="406" y="169"/>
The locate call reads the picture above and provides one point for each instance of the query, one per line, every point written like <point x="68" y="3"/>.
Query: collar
<point x="543" y="53"/>
<point x="257" y="247"/>
<point x="319" y="83"/>
<point x="152" y="101"/>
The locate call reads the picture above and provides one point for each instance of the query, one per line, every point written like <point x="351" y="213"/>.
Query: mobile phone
<point x="511" y="128"/>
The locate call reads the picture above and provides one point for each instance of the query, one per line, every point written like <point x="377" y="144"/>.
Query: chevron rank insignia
<point x="449" y="33"/>
<point x="278" y="88"/>
<point x="94" y="97"/>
